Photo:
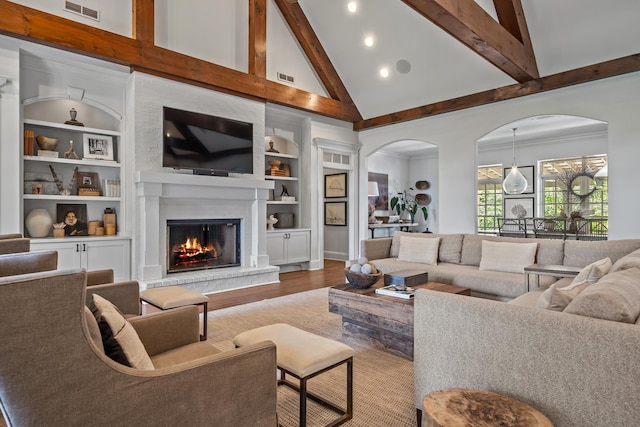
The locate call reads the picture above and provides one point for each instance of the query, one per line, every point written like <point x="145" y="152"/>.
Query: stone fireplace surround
<point x="165" y="195"/>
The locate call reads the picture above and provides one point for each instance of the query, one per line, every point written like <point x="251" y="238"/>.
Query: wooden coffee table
<point x="384" y="320"/>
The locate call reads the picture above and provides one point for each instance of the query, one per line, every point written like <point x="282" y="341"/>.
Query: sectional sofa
<point x="459" y="259"/>
<point x="577" y="364"/>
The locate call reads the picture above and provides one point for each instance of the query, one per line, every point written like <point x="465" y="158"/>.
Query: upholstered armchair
<point x="53" y="370"/>
<point x="27" y="262"/>
<point x="124" y="295"/>
<point x="12" y="243"/>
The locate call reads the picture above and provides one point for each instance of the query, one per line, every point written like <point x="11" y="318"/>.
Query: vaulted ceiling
<point x="443" y="55"/>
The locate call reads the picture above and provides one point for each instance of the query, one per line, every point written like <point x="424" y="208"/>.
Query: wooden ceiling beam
<point x="258" y="38"/>
<point x="470" y="24"/>
<point x="615" y="67"/>
<point x="308" y="40"/>
<point x="140" y="53"/>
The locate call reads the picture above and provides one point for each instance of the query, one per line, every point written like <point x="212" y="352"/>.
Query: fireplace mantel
<point x="165" y="195"/>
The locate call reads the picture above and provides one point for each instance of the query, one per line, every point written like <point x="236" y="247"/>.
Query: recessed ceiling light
<point x="384" y="72"/>
<point x="368" y="41"/>
<point x="352" y="6"/>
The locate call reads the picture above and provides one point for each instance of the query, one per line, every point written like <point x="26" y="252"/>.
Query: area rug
<point x="383" y="382"/>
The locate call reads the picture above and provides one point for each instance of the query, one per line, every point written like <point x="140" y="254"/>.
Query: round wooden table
<point x="461" y="407"/>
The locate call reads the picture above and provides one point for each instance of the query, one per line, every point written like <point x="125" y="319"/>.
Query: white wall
<point x="614" y="100"/>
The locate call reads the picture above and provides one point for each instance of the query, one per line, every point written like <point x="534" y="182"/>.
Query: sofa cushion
<point x="628" y="261"/>
<point x="615" y="297"/>
<point x="549" y="251"/>
<point x="416" y="249"/>
<point x="120" y="340"/>
<point x="507" y="256"/>
<point x="594" y="271"/>
<point x="556" y="298"/>
<point x="580" y="253"/>
<point x="450" y="245"/>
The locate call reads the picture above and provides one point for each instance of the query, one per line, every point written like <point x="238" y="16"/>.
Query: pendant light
<point x="515" y="182"/>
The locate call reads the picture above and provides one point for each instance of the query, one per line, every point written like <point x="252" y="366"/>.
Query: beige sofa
<point x="578" y="366"/>
<point x="460" y="255"/>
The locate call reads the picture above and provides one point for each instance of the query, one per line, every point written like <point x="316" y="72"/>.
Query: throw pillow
<point x="594" y="271"/>
<point x="628" y="261"/>
<point x="419" y="249"/>
<point x="120" y="340"/>
<point x="557" y="299"/>
<point x="615" y="297"/>
<point x="506" y="256"/>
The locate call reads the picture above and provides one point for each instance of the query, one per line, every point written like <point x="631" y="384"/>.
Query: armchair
<point x="59" y="375"/>
<point x="124" y="295"/>
<point x="13" y="243"/>
<point x="27" y="262"/>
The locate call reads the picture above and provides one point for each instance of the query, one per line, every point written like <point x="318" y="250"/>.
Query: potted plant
<point x="407" y="202"/>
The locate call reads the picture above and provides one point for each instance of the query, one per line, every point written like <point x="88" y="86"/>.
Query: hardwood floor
<point x="290" y="283"/>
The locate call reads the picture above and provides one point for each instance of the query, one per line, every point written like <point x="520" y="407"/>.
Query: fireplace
<point x="201" y="244"/>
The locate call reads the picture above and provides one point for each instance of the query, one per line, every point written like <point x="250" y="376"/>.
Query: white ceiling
<point x="565" y="34"/>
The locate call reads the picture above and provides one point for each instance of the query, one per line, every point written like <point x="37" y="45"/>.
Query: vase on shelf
<point x="38" y="223"/>
<point x="406" y="217"/>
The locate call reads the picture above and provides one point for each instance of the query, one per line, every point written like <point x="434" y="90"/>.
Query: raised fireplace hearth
<point x="201" y="244"/>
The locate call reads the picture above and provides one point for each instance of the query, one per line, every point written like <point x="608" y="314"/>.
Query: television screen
<point x="206" y="144"/>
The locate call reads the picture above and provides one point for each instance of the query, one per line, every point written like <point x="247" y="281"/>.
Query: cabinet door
<point x="108" y="254"/>
<point x="277" y="248"/>
<point x="68" y="253"/>
<point x="298" y="249"/>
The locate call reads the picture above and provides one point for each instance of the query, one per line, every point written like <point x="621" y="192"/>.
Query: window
<point x="489" y="197"/>
<point x="555" y="175"/>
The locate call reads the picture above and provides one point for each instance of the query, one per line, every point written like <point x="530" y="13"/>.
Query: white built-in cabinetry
<point x="288" y="247"/>
<point x="86" y="251"/>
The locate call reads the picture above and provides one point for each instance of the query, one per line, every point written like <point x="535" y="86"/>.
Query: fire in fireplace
<point x="196" y="244"/>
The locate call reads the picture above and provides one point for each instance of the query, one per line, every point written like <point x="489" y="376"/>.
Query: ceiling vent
<point x="285" y="78"/>
<point x="82" y="10"/>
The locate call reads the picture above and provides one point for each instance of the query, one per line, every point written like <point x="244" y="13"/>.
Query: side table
<point x="549" y="270"/>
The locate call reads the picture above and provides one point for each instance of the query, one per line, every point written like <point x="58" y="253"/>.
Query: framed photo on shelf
<point x="75" y="218"/>
<point x="88" y="183"/>
<point x="99" y="147"/>
<point x="529" y="175"/>
<point x="516" y="205"/>
<point x="335" y="185"/>
<point x="335" y="213"/>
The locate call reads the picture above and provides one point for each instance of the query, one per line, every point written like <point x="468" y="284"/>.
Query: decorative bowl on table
<point x="46" y="143"/>
<point x="361" y="280"/>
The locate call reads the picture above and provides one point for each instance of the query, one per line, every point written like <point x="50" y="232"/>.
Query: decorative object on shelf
<point x="335" y="213"/>
<point x="88" y="184"/>
<point x="422" y="185"/>
<point x="109" y="217"/>
<point x="271" y="221"/>
<point x="99" y="147"/>
<point x="372" y="191"/>
<point x="75" y="218"/>
<point x="73" y="114"/>
<point x="58" y="229"/>
<point x="275" y="168"/>
<point x="271" y="149"/>
<point x="285" y="191"/>
<point x="39" y="179"/>
<point x="29" y="136"/>
<point x="285" y="169"/>
<point x="285" y="219"/>
<point x="92" y="226"/>
<point x="71" y="152"/>
<point x="406" y="202"/>
<point x="514" y="182"/>
<point x="275" y="164"/>
<point x="335" y="185"/>
<point x="38" y="223"/>
<point x="59" y="183"/>
<point x="46" y="143"/>
<point x="37" y="189"/>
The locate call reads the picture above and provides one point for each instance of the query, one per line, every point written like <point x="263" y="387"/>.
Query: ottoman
<point x="304" y="355"/>
<point x="168" y="297"/>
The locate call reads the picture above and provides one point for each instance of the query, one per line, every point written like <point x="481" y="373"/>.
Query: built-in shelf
<point x="83" y="162"/>
<point x="79" y="129"/>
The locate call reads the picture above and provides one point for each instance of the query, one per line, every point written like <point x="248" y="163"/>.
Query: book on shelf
<point x="111" y="187"/>
<point x="397" y="291"/>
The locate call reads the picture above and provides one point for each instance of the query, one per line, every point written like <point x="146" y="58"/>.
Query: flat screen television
<point x="206" y="144"/>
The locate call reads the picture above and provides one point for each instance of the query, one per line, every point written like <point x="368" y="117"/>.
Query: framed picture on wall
<point x="518" y="207"/>
<point x="335" y="213"/>
<point x="529" y="175"/>
<point x="335" y="185"/>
